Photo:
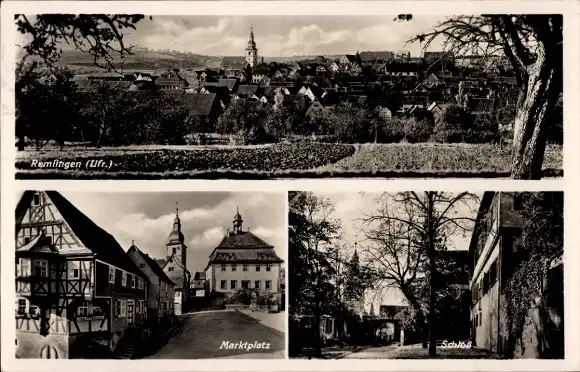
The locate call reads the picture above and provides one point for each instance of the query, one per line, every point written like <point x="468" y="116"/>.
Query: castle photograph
<point x="150" y="275"/>
<point x="416" y="275"/>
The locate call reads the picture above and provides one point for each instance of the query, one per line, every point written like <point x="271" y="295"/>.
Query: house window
<point x="223" y="267"/>
<point x="33" y="311"/>
<point x="73" y="270"/>
<point x="257" y="284"/>
<point x="234" y="267"/>
<point x="83" y="310"/>
<point x="123" y="311"/>
<point x="111" y="274"/>
<point x="327" y="325"/>
<point x="97" y="311"/>
<point x="233" y="284"/>
<point x="174" y="250"/>
<point x="493" y="273"/>
<point x="117" y="308"/>
<point x="268" y="267"/>
<point x="223" y="284"/>
<point x="26" y="239"/>
<point x="41" y="268"/>
<point x="268" y="285"/>
<point x="124" y="279"/>
<point x="24" y="267"/>
<point x="36" y="199"/>
<point x="245" y="268"/>
<point x="245" y="284"/>
<point x="133" y="280"/>
<point x="170" y="269"/>
<point x="257" y="267"/>
<point x="21" y="306"/>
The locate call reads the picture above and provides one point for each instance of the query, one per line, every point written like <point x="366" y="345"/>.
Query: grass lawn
<point x="294" y="160"/>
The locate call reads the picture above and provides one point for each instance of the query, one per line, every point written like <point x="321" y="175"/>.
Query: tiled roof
<point x="153" y="265"/>
<point x="199" y="275"/>
<point x="374" y="56"/>
<point x="248" y="89"/>
<point x="100" y="242"/>
<point x="199" y="104"/>
<point x="245" y="255"/>
<point x="229" y="83"/>
<point x="244" y="239"/>
<point x="160" y="261"/>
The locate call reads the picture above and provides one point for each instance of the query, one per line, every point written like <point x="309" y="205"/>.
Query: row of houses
<point x="77" y="289"/>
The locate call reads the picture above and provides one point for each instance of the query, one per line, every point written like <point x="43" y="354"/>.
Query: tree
<point x="404" y="236"/>
<point x="245" y="118"/>
<point x="99" y="35"/>
<point x="311" y="233"/>
<point x="533" y="44"/>
<point x="45" y="97"/>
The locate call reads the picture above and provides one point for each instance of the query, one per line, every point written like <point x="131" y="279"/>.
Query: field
<point x="285" y="160"/>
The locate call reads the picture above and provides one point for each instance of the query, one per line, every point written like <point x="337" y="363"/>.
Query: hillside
<point x="152" y="60"/>
<point x="149" y="60"/>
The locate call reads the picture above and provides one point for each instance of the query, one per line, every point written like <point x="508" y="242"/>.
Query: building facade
<point x="175" y="266"/>
<point x="161" y="290"/>
<point x="243" y="260"/>
<point x="75" y="285"/>
<point x="493" y="248"/>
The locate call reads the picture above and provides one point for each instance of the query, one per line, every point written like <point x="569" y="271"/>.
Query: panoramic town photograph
<point x="159" y="275"/>
<point x="421" y="275"/>
<point x="268" y="97"/>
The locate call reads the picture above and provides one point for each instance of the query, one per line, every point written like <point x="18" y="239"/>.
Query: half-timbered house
<point x="75" y="286"/>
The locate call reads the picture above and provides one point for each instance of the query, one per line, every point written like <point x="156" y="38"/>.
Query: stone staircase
<point x="127" y="344"/>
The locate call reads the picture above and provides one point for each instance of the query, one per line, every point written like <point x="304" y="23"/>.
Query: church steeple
<point x="251" y="50"/>
<point x="175" y="241"/>
<point x="238" y="222"/>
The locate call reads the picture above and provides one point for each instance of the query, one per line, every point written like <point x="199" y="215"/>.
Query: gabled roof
<point x="100" y="242"/>
<point x="375" y="56"/>
<point x="350" y="57"/>
<point x="199" y="275"/>
<point x="153" y="265"/>
<point x="199" y="104"/>
<point x="228" y="83"/>
<point x="161" y="262"/>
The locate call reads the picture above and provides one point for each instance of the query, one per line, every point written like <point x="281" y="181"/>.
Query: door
<point x="131" y="311"/>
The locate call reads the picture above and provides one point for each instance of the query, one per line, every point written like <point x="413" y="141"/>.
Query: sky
<point x="351" y="207"/>
<point x="147" y="218"/>
<point x="278" y="36"/>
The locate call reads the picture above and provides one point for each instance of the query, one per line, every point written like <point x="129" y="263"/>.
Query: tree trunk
<point x="21" y="143"/>
<point x="432" y="297"/>
<point x="532" y="120"/>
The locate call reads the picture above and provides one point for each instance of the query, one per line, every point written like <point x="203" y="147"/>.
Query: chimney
<point x="262" y="59"/>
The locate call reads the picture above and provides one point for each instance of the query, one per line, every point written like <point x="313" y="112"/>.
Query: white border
<point x="570" y="183"/>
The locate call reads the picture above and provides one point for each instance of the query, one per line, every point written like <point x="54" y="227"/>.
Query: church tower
<point x="175" y="265"/>
<point x="251" y="50"/>
<point x="354" y="288"/>
<point x="175" y="242"/>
